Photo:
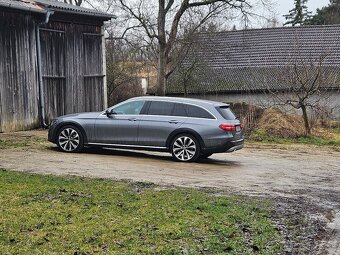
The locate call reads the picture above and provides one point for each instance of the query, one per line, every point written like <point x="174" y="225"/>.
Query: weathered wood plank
<point x="72" y="65"/>
<point x="82" y="60"/>
<point x="18" y="79"/>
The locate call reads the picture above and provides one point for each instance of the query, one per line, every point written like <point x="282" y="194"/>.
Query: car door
<point x="120" y="126"/>
<point x="161" y="118"/>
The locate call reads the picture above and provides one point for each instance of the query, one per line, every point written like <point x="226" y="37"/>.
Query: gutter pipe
<point x="40" y="76"/>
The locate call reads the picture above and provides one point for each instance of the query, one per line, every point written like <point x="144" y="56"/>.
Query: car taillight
<point x="242" y="126"/>
<point x="228" y="127"/>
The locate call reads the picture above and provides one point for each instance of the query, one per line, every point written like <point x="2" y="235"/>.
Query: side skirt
<point x="132" y="147"/>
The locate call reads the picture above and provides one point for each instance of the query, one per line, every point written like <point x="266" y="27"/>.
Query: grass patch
<point x="69" y="215"/>
<point x="6" y="144"/>
<point x="19" y="140"/>
<point x="260" y="135"/>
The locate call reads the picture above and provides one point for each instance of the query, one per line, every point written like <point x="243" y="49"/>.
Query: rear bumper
<point x="235" y="148"/>
<point x="229" y="146"/>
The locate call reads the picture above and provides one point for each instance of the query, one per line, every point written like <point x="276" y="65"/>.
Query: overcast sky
<point x="283" y="6"/>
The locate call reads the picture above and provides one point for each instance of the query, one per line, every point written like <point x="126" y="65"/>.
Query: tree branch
<point x="140" y="19"/>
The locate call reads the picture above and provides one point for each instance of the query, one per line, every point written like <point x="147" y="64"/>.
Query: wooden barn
<point x="52" y="62"/>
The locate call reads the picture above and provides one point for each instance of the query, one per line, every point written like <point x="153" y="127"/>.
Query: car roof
<point x="181" y="100"/>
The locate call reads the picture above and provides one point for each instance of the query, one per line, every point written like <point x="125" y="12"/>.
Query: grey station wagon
<point x="187" y="128"/>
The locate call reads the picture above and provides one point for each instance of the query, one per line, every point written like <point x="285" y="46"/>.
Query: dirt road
<point x="312" y="173"/>
<point x="261" y="169"/>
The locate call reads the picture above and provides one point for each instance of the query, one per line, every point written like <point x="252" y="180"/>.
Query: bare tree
<point x="75" y="2"/>
<point x="305" y="83"/>
<point x="123" y="67"/>
<point x="161" y="22"/>
<point x="187" y="67"/>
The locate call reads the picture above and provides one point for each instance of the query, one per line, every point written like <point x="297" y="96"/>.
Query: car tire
<point x="207" y="155"/>
<point x="185" y="148"/>
<point x="70" y="139"/>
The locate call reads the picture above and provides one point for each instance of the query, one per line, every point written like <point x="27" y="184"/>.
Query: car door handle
<point x="132" y="119"/>
<point x="173" y="121"/>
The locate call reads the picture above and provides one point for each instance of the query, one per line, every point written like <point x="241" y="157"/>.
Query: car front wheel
<point x="185" y="148"/>
<point x="70" y="139"/>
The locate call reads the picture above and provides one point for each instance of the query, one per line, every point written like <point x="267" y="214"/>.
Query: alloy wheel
<point x="184" y="148"/>
<point x="69" y="139"/>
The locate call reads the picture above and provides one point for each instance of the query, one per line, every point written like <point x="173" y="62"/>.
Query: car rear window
<point x="198" y="112"/>
<point x="226" y="112"/>
<point x="160" y="108"/>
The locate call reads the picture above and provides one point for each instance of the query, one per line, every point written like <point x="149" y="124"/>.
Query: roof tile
<point x="254" y="59"/>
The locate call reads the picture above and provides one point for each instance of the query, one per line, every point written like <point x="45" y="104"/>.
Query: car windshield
<point x="226" y="112"/>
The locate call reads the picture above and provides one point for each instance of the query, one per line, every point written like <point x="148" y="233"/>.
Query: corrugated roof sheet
<point x="254" y="59"/>
<point x="60" y="6"/>
<point x="27" y="5"/>
<point x="44" y="5"/>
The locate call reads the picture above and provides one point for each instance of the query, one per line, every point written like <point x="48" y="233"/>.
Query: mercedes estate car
<point x="187" y="128"/>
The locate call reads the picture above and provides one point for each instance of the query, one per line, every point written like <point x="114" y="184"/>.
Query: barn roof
<point x="30" y="6"/>
<point x="42" y="6"/>
<point x="257" y="59"/>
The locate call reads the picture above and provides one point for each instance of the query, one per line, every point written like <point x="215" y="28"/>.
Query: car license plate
<point x="238" y="128"/>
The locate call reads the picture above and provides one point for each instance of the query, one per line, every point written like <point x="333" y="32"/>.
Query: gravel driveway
<point x="300" y="172"/>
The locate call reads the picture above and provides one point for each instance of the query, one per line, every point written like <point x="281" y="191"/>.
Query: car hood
<point x="82" y="115"/>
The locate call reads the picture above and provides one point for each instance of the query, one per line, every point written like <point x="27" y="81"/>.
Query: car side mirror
<point x="108" y="113"/>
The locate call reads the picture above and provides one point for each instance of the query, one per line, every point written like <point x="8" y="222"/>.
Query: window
<point x="198" y="112"/>
<point x="160" y="108"/>
<point x="226" y="112"/>
<point x="130" y="108"/>
<point x="179" y="110"/>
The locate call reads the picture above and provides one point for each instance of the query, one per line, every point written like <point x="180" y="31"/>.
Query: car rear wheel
<point x="70" y="139"/>
<point x="185" y="148"/>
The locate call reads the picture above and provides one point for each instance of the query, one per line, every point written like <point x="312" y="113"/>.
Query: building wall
<point x="19" y="91"/>
<point x="328" y="99"/>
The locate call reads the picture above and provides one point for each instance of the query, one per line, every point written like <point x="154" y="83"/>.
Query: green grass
<point x="16" y="141"/>
<point x="260" y="135"/>
<point x="69" y="215"/>
<point x="6" y="144"/>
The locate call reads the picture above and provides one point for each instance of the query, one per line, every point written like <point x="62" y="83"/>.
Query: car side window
<point x="179" y="110"/>
<point x="198" y="112"/>
<point x="129" y="108"/>
<point x="160" y="108"/>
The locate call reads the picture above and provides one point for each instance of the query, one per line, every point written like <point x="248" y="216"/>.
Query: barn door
<point x="93" y="72"/>
<point x="53" y="71"/>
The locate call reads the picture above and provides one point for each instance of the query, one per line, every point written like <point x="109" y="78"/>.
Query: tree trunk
<point x="185" y="83"/>
<point x="306" y="120"/>
<point x="161" y="72"/>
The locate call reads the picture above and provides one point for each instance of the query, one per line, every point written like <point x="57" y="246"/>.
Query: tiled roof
<point x="255" y="59"/>
<point x="44" y="5"/>
<point x="247" y="79"/>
